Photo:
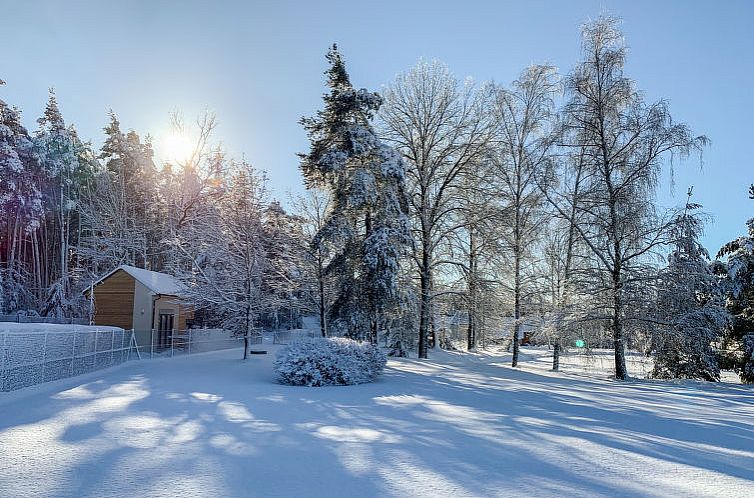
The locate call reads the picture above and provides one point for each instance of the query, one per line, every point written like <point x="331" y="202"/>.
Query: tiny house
<point x="142" y="300"/>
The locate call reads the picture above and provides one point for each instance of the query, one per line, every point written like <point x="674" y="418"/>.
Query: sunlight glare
<point x="176" y="147"/>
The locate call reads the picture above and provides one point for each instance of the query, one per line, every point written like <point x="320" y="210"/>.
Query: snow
<point x="44" y="328"/>
<point x="158" y="283"/>
<point x="328" y="361"/>
<point x="455" y="425"/>
<point x="33" y="353"/>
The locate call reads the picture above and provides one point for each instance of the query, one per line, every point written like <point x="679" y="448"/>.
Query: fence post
<point x="44" y="358"/>
<point x="2" y="364"/>
<point x="172" y="338"/>
<point x="189" y="348"/>
<point x="112" y="346"/>
<point x="96" y="346"/>
<point x="73" y="354"/>
<point x="151" y="343"/>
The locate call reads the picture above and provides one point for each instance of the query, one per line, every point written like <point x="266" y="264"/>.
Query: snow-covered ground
<point x="456" y="425"/>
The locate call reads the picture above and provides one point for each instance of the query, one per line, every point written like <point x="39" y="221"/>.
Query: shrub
<point x="325" y="362"/>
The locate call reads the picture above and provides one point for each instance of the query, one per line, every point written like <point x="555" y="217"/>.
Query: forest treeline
<point x="527" y="207"/>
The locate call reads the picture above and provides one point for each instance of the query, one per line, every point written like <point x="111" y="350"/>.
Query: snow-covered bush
<point x="332" y="361"/>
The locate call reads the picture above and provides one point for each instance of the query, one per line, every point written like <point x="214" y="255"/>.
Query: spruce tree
<point x="366" y="233"/>
<point x="691" y="306"/>
<point x="738" y="274"/>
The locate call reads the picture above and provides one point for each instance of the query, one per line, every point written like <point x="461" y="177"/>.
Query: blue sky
<point x="259" y="66"/>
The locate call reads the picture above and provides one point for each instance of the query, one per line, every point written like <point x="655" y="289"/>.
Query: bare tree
<point x="226" y="249"/>
<point x="623" y="140"/>
<point x="439" y="126"/>
<point x="521" y="151"/>
<point x="313" y="208"/>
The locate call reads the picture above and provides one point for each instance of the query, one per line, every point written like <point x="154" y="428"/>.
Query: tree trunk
<point x="471" y="334"/>
<point x="621" y="371"/>
<point x="322" y="317"/>
<point x="516" y="307"/>
<point x="424" y="305"/>
<point x="556" y="356"/>
<point x="248" y="328"/>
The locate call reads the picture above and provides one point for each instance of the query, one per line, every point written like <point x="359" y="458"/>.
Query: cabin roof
<point x="156" y="282"/>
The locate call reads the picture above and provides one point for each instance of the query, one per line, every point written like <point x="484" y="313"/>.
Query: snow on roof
<point x="159" y="283"/>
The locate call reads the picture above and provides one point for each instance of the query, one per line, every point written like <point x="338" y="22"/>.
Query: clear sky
<point x="259" y="66"/>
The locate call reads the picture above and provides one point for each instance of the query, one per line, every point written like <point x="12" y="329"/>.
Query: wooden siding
<point x="170" y="304"/>
<point x="114" y="300"/>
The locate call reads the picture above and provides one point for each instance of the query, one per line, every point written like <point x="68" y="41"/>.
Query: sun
<point x="176" y="147"/>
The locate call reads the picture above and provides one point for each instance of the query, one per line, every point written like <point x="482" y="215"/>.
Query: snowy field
<point x="456" y="425"/>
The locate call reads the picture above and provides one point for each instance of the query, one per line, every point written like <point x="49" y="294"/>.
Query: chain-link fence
<point x="32" y="357"/>
<point x="35" y="354"/>
<point x="161" y="343"/>
<point x="23" y="318"/>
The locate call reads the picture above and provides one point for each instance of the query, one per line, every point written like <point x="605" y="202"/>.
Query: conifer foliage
<point x="738" y="273"/>
<point x="691" y="305"/>
<point x="366" y="231"/>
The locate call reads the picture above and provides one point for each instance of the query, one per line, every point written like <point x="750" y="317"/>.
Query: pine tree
<point x="121" y="214"/>
<point x="21" y="207"/>
<point x="691" y="307"/>
<point x="366" y="231"/>
<point x="58" y="149"/>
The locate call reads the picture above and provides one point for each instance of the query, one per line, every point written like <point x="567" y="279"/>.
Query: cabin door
<point x="166" y="328"/>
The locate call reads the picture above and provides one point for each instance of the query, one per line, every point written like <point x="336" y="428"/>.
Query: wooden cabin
<point x="142" y="300"/>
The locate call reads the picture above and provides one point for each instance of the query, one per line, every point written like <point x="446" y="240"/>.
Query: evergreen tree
<point x="366" y="230"/>
<point x="123" y="210"/>
<point x="58" y="149"/>
<point x="21" y="207"/>
<point x="691" y="307"/>
<point x="738" y="272"/>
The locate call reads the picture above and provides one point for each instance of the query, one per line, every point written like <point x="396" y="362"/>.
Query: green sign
<point x="580" y="343"/>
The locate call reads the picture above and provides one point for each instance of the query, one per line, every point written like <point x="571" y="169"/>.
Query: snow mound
<point x="332" y="361"/>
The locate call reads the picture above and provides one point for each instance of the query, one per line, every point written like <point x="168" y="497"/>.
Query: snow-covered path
<point x="456" y="425"/>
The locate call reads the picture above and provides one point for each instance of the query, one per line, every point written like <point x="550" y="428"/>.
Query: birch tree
<point x="624" y="140"/>
<point x="522" y="150"/>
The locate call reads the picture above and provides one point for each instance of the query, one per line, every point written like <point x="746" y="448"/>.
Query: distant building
<point x="142" y="300"/>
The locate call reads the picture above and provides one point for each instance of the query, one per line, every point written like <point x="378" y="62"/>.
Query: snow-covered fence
<point x="22" y="318"/>
<point x="33" y="354"/>
<point x="287" y="336"/>
<point x="155" y="343"/>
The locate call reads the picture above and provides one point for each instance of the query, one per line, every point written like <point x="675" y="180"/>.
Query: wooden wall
<point x="171" y="304"/>
<point x="114" y="301"/>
